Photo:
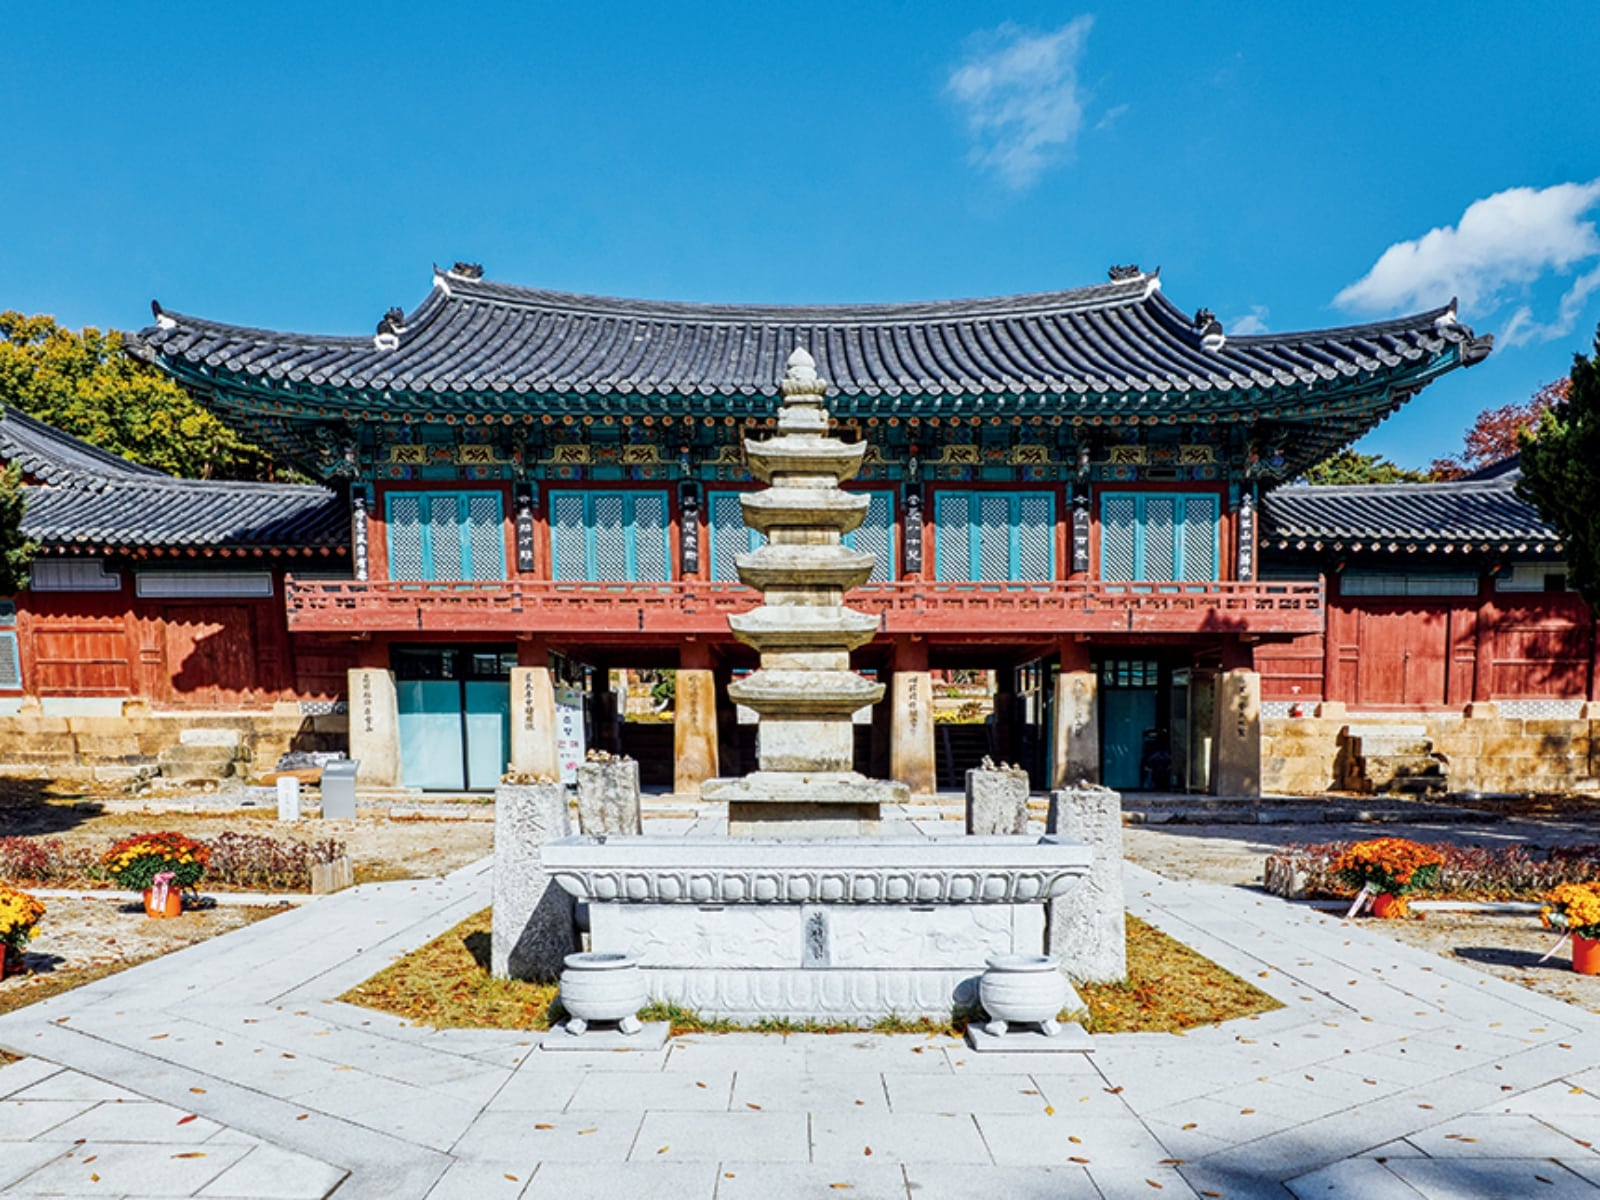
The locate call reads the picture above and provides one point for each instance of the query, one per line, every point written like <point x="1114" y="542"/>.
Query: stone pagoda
<point x="805" y="693"/>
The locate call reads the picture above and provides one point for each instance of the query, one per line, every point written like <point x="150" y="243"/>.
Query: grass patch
<point x="446" y="984"/>
<point x="1170" y="988"/>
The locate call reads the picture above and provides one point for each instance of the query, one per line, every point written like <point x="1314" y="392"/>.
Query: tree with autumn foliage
<point x="1494" y="434"/>
<point x="86" y="384"/>
<point x="1561" y="472"/>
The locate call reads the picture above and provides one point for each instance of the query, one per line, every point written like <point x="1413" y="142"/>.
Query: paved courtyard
<point x="229" y="1070"/>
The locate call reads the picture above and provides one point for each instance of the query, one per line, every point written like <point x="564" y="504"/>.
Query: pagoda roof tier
<point x="476" y="346"/>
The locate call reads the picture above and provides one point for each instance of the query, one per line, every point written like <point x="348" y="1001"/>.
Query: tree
<point x="86" y="384"/>
<point x="1494" y="434"/>
<point x="1561" y="472"/>
<point x="16" y="551"/>
<point x="1349" y="467"/>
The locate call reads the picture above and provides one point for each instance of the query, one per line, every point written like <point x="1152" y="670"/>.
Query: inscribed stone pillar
<point x="374" y="726"/>
<point x="608" y="797"/>
<point x="911" y="739"/>
<point x="533" y="927"/>
<point x="1077" y="730"/>
<point x="1087" y="927"/>
<point x="1238" y="744"/>
<point x="694" y="734"/>
<point x="997" y="802"/>
<point x="534" y="753"/>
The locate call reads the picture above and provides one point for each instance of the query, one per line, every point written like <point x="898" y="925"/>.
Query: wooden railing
<point x="907" y="606"/>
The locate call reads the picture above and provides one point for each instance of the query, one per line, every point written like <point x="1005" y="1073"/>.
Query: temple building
<point x="1080" y="492"/>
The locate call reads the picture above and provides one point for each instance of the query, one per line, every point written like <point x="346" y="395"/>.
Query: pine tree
<point x="1561" y="473"/>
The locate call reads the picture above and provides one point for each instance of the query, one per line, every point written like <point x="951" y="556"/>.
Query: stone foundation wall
<point x="79" y="746"/>
<point x="1483" y="751"/>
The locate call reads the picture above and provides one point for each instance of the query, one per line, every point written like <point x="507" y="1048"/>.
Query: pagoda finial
<point x="800" y="378"/>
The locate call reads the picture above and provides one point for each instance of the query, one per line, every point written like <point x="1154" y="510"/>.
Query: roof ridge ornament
<point x="390" y="327"/>
<point x="1210" y="329"/>
<point x="163" y="321"/>
<point x="467" y="270"/>
<point x="1120" y="272"/>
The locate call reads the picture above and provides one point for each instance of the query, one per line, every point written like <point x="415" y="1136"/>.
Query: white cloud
<point x="1254" y="321"/>
<point x="1503" y="244"/>
<point x="1024" y="108"/>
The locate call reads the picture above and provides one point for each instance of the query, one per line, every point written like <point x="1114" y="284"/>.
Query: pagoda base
<point x="807" y="804"/>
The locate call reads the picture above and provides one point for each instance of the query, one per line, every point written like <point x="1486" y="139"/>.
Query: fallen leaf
<point x="191" y="1154"/>
<point x="1245" y="1112"/>
<point x="513" y="1178"/>
<point x="303" y="1117"/>
<point x="1192" y="1125"/>
<point x="1173" y="1162"/>
<point x="93" y="1178"/>
<point x="1116" y="1091"/>
<point x="156" y="1037"/>
<point x="1049" y="1110"/>
<point x="1152" y="1183"/>
<point x="198" y="1091"/>
<point x="663" y="1149"/>
<point x="1542" y="1179"/>
<point x="757" y="1107"/>
<point x="868" y="1150"/>
<point x="1076" y="1141"/>
<point x="591" y="1129"/>
<point x="90" y="1159"/>
<point x="543" y="1125"/>
<point x="698" y="1084"/>
<point x="186" y="1120"/>
<point x="841" y="1187"/>
<point x="1077" y="1158"/>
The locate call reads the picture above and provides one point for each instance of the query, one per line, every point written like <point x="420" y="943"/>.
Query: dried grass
<point x="446" y="984"/>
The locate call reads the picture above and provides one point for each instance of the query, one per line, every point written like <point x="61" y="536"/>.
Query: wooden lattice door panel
<point x="445" y="535"/>
<point x="730" y="536"/>
<point x="994" y="536"/>
<point x="1159" y="536"/>
<point x="616" y="536"/>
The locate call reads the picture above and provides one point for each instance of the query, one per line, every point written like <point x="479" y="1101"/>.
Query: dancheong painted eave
<point x="473" y="341"/>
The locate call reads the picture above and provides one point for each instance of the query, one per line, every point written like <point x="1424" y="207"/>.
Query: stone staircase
<point x="958" y="748"/>
<point x="201" y="755"/>
<point x="1394" y="760"/>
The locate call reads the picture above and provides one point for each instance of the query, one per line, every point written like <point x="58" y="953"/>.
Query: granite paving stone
<point x="129" y="1169"/>
<point x="627" y="1181"/>
<point x="275" y="1174"/>
<point x="897" y="1137"/>
<point x="1475" y="1084"/>
<point x="859" y="1181"/>
<point x="20" y="1159"/>
<point x="711" y="1137"/>
<point x="1492" y="1179"/>
<point x="957" y="1182"/>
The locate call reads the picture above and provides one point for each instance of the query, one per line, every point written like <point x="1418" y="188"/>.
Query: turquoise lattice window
<point x="730" y="536"/>
<point x="995" y="535"/>
<point x="445" y="535"/>
<point x="1158" y="536"/>
<point x="615" y="536"/>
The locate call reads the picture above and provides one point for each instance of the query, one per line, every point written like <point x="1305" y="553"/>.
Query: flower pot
<point x="1022" y="988"/>
<point x="170" y="906"/>
<point x="10" y="960"/>
<point x="1387" y="906"/>
<point x="1585" y="955"/>
<point x="602" y="987"/>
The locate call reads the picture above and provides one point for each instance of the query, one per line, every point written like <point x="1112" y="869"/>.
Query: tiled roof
<point x="188" y="514"/>
<point x="49" y="455"/>
<point x="1122" y="337"/>
<point x="87" y="497"/>
<point x="1482" y="511"/>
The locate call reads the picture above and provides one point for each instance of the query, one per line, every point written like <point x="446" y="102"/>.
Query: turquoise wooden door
<point x="454" y="716"/>
<point x="487" y="721"/>
<point x="445" y="535"/>
<point x="1128" y="713"/>
<point x="994" y="536"/>
<point x="430" y="734"/>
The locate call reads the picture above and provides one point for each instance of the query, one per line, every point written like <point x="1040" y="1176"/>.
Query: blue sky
<point x="1288" y="166"/>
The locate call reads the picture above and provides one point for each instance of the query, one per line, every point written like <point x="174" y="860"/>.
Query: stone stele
<point x="804" y="693"/>
<point x="608" y="797"/>
<point x="1088" y="925"/>
<point x="997" y="801"/>
<point x="533" y="929"/>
